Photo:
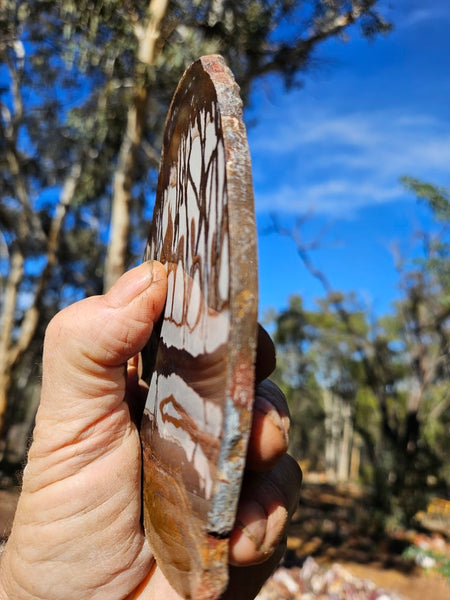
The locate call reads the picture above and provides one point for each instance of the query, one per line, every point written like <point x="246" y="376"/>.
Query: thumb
<point x="86" y="348"/>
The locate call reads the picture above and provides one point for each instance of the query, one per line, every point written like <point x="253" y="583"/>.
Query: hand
<point x="77" y="532"/>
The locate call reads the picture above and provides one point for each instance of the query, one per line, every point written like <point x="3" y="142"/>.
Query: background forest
<point x="84" y="89"/>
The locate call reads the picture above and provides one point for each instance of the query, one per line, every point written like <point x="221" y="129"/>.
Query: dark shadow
<point x="338" y="524"/>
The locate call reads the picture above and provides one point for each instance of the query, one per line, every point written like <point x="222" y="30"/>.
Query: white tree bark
<point x="148" y="37"/>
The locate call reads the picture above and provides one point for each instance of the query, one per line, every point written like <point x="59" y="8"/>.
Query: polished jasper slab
<point x="197" y="417"/>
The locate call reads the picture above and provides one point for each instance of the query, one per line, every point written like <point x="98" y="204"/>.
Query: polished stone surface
<point x="197" y="417"/>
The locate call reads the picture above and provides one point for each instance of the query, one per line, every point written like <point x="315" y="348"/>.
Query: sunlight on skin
<point x="77" y="531"/>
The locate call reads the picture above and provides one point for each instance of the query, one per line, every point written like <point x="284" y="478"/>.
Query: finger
<point x="269" y="436"/>
<point x="265" y="355"/>
<point x="266" y="504"/>
<point x="87" y="346"/>
<point x="136" y="390"/>
<point x="245" y="582"/>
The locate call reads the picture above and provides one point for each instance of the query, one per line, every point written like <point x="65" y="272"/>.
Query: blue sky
<point x="334" y="151"/>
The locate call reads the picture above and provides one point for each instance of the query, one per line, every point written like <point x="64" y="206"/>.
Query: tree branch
<point x="277" y="57"/>
<point x="372" y="364"/>
<point x="31" y="319"/>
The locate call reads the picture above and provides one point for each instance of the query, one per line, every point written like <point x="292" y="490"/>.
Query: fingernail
<point x="131" y="285"/>
<point x="282" y="423"/>
<point x="252" y="521"/>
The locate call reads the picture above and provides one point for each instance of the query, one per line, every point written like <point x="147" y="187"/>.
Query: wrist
<point x="11" y="584"/>
<point x="3" y="573"/>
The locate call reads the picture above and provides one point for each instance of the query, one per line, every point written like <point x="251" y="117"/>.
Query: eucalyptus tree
<point x="390" y="374"/>
<point x="85" y="86"/>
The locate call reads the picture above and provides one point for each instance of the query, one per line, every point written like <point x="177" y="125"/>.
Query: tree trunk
<point x="339" y="431"/>
<point x="11" y="351"/>
<point x="346" y="440"/>
<point x="148" y="36"/>
<point x="355" y="460"/>
<point x="7" y="327"/>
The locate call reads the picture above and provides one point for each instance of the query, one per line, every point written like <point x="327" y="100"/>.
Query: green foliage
<point x="393" y="372"/>
<point x="436" y="246"/>
<point x="437" y="198"/>
<point x="295" y="375"/>
<point x="72" y="73"/>
<point x="430" y="560"/>
<point x="70" y="70"/>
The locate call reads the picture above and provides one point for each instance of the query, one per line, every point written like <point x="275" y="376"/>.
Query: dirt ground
<point x="415" y="585"/>
<point x="333" y="526"/>
<point x="323" y="528"/>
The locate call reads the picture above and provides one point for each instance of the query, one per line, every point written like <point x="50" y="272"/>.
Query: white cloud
<point x="295" y="130"/>
<point x="338" y="163"/>
<point x="345" y="142"/>
<point x="337" y="198"/>
<point x="421" y="15"/>
<point x="409" y="13"/>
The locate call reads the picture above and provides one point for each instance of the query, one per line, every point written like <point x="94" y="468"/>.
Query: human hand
<point x="77" y="532"/>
